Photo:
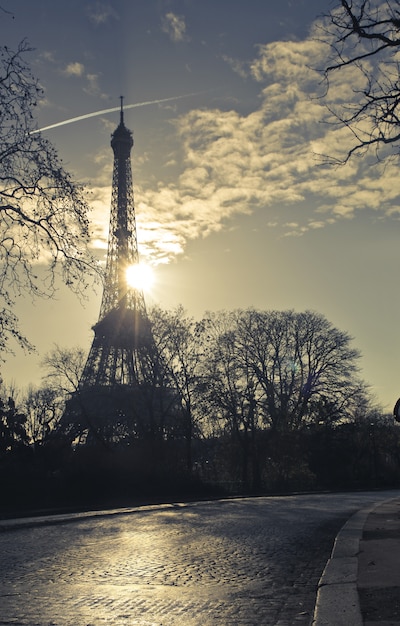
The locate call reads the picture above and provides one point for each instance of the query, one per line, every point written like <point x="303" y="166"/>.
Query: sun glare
<point x="140" y="276"/>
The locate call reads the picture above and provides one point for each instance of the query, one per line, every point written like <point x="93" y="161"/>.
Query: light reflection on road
<point x="233" y="562"/>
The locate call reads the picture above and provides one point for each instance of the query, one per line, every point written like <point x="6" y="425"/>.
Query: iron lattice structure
<point x="123" y="391"/>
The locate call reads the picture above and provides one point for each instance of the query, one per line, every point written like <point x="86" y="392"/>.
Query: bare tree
<point x="43" y="409"/>
<point x="364" y="35"/>
<point x="276" y="368"/>
<point x="299" y="360"/>
<point x="43" y="213"/>
<point x="63" y="368"/>
<point x="179" y="341"/>
<point x="230" y="391"/>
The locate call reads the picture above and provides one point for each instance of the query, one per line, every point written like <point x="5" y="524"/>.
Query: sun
<point x="140" y="276"/>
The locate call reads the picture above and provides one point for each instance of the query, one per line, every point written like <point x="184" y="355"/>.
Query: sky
<point x="235" y="205"/>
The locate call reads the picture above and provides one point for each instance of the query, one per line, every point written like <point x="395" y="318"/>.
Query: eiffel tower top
<point x="121" y="139"/>
<point x="122" y="253"/>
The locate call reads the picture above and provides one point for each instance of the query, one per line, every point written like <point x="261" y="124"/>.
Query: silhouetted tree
<point x="63" y="367"/>
<point x="364" y="36"/>
<point x="43" y="213"/>
<point x="179" y="341"/>
<point x="276" y="371"/>
<point x="230" y="390"/>
<point x="297" y="359"/>
<point x="43" y="408"/>
<point x="13" y="433"/>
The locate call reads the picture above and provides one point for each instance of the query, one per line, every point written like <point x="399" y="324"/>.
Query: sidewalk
<point x="361" y="581"/>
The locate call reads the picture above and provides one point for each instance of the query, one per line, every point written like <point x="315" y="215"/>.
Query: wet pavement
<point x="232" y="562"/>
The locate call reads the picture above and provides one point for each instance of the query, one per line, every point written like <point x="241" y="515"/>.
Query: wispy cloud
<point x="92" y="81"/>
<point x="92" y="86"/>
<point x="175" y="27"/>
<point x="239" y="67"/>
<point x="101" y="13"/>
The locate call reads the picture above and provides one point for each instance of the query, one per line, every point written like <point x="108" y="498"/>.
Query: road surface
<point x="239" y="562"/>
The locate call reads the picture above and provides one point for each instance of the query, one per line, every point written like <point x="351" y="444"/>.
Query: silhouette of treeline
<point x="270" y="401"/>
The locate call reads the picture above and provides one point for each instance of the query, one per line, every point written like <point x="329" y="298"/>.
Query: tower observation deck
<point x="124" y="391"/>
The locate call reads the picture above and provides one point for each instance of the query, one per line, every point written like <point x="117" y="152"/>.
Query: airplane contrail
<point x="118" y="108"/>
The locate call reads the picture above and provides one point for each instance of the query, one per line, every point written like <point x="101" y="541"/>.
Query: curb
<point x="65" y="518"/>
<point x="337" y="601"/>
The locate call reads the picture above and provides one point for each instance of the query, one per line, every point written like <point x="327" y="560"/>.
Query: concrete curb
<point x="64" y="518"/>
<point x="337" y="601"/>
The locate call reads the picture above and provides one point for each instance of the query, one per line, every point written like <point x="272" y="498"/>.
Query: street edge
<point x="337" y="602"/>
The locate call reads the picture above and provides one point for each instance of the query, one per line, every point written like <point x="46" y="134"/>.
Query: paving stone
<point x="242" y="562"/>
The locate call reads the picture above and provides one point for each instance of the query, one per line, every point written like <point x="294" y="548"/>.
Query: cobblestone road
<point x="236" y="562"/>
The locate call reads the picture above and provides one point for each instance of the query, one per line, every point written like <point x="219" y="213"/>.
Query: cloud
<point x="74" y="69"/>
<point x="267" y="161"/>
<point x="239" y="67"/>
<point x="92" y="86"/>
<point x="175" y="27"/>
<point x="47" y="55"/>
<point x="101" y="13"/>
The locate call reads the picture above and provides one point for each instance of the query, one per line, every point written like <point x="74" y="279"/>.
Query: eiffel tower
<point x="123" y="391"/>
